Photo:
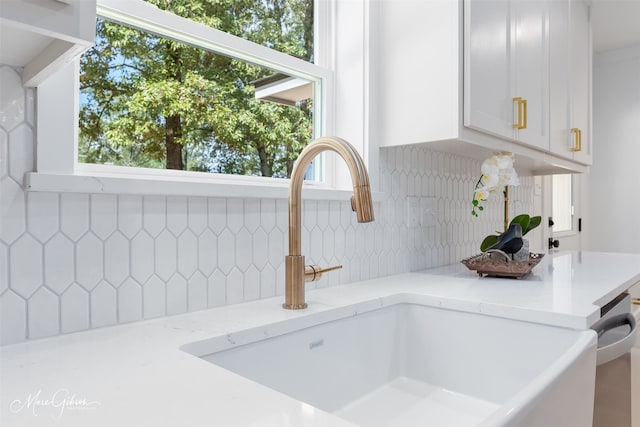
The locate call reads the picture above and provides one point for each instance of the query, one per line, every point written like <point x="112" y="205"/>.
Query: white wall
<point x="612" y="187"/>
<point x="71" y="262"/>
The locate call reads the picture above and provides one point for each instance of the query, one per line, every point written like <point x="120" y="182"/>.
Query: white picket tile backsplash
<point x="129" y="301"/>
<point x="4" y="268"/>
<point x="13" y="102"/>
<point x="42" y="215"/>
<point x="71" y="262"/>
<point x="89" y="261"/>
<point x="154" y="214"/>
<point x="43" y="310"/>
<point x="142" y="252"/>
<point x="129" y="215"/>
<point x="154" y="298"/>
<point x="197" y="292"/>
<point x="13" y="312"/>
<point x="25" y="266"/>
<point x="103" y="305"/>
<point x="74" y="309"/>
<point x="74" y="214"/>
<point x="4" y="154"/>
<point x="12" y="204"/>
<point x="176" y="294"/>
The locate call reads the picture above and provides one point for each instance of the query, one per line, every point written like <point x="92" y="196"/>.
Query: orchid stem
<point x="506" y="208"/>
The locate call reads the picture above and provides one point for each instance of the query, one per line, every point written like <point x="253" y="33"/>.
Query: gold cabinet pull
<point x="635" y="301"/>
<point x="516" y="125"/>
<point x="521" y="122"/>
<point x="578" y="145"/>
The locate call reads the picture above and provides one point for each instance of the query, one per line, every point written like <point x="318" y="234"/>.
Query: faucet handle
<point x="313" y="273"/>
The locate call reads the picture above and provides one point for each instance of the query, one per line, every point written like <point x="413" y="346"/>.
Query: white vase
<point x="523" y="253"/>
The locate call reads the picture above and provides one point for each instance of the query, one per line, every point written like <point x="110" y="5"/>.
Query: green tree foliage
<point x="153" y="102"/>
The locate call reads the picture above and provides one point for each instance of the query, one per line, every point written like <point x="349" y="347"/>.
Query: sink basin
<point x="409" y="364"/>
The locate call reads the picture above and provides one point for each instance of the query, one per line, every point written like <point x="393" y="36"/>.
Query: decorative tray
<point x="500" y="264"/>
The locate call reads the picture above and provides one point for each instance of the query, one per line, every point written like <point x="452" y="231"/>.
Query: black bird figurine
<point x="510" y="241"/>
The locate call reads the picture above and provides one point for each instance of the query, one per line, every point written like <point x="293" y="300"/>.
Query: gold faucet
<point x="296" y="274"/>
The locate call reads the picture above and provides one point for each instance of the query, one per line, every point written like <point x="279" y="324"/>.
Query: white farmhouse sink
<point x="409" y="365"/>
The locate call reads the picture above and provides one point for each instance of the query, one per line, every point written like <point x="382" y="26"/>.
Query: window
<point x="58" y="148"/>
<point x="153" y="96"/>
<point x="562" y="203"/>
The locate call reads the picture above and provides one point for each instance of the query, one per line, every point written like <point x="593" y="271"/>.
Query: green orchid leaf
<point x="488" y="242"/>
<point x="527" y="222"/>
<point x="523" y="220"/>
<point x="535" y="222"/>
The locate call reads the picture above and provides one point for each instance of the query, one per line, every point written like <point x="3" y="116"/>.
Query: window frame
<point x="572" y="230"/>
<point x="57" y="166"/>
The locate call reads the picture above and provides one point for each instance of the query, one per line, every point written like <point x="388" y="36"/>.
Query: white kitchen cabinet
<point x="430" y="88"/>
<point x="508" y="68"/>
<point x="42" y="36"/>
<point x="570" y="81"/>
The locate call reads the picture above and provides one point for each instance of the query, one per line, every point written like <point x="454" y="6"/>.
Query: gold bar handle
<point x="518" y="118"/>
<point x="313" y="273"/>
<point x="635" y="301"/>
<point x="578" y="145"/>
<point x="521" y="115"/>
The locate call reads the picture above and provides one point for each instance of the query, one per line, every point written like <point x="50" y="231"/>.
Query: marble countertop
<point x="137" y="375"/>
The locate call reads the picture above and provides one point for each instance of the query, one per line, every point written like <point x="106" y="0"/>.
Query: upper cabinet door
<point x="560" y="72"/>
<point x="530" y="55"/>
<point x="507" y="69"/>
<point x="488" y="104"/>
<point x="570" y="81"/>
<point x="580" y="82"/>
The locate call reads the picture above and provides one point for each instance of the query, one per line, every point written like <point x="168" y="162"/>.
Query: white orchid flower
<point x="490" y="167"/>
<point x="482" y="194"/>
<point x="497" y="173"/>
<point x="505" y="161"/>
<point x="510" y="177"/>
<point x="490" y="180"/>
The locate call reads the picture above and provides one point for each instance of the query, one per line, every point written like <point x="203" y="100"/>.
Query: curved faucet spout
<point x="361" y="203"/>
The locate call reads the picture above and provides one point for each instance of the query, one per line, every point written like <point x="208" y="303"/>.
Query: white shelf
<point x="45" y="35"/>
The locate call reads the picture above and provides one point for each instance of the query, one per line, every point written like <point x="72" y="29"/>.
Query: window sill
<point x="566" y="233"/>
<point x="178" y="184"/>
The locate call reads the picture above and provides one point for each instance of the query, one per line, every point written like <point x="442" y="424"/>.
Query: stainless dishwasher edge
<point x="615" y="400"/>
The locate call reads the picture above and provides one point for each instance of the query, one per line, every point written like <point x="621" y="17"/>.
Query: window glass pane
<point x="562" y="203"/>
<point x="283" y="25"/>
<point x="150" y="101"/>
